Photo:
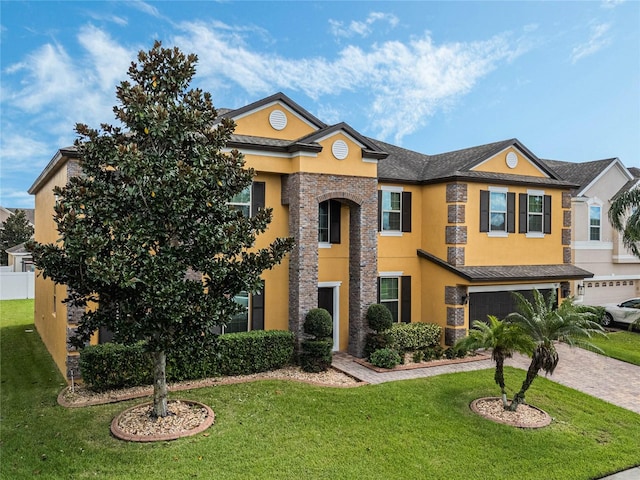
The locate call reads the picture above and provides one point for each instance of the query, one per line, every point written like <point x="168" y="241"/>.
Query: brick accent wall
<point x="566" y="236"/>
<point x="456" y="213"/>
<point x="303" y="192"/>
<point x="456" y="192"/>
<point x="566" y="200"/>
<point x="456" y="235"/>
<point x="455" y="316"/>
<point x="454" y="295"/>
<point x="566" y="218"/>
<point x="566" y="255"/>
<point x="452" y="335"/>
<point x="455" y="256"/>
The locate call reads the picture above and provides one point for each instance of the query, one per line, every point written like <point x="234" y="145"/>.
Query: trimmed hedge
<point x="316" y="355"/>
<point x="109" y="365"/>
<point x="414" y="336"/>
<point x="318" y="323"/>
<point x="385" y="358"/>
<point x="379" y="318"/>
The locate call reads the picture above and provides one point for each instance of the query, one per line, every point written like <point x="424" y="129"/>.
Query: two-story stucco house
<point x="436" y="238"/>
<point x="597" y="246"/>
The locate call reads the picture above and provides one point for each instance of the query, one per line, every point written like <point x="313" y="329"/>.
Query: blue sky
<point x="562" y="77"/>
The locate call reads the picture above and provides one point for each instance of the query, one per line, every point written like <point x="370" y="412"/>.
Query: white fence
<point x="16" y="285"/>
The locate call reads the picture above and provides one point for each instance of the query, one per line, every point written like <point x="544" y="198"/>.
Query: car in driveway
<point x="625" y="312"/>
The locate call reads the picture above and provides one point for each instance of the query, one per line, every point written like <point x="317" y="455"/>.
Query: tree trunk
<point x="499" y="378"/>
<point x="532" y="373"/>
<point x="159" y="385"/>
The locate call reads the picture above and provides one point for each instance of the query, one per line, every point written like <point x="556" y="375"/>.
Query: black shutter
<point x="378" y="290"/>
<point x="257" y="197"/>
<point x="379" y="210"/>
<point x="334" y="221"/>
<point x="547" y="214"/>
<point x="523" y="225"/>
<point x="257" y="310"/>
<point x="406" y="211"/>
<point x="405" y="300"/>
<point x="484" y="210"/>
<point x="511" y="212"/>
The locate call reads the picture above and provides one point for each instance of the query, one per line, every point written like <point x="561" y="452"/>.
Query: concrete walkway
<point x="602" y="377"/>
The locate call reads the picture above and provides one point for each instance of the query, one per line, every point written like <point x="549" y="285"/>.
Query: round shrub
<point x="316" y="355"/>
<point x="379" y="318"/>
<point x="318" y="323"/>
<point x="376" y="341"/>
<point x="385" y="358"/>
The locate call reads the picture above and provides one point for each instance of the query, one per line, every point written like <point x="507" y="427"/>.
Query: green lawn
<point x="274" y="429"/>
<point x="622" y="345"/>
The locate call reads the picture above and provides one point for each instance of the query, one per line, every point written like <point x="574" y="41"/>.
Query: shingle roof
<point x="409" y="166"/>
<point x="494" y="273"/>
<point x="581" y="174"/>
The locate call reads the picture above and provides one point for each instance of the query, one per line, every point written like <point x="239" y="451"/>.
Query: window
<point x="594" y="223"/>
<point x="394" y="292"/>
<point x="394" y="207"/>
<point x="497" y="211"/>
<point x="249" y="200"/>
<point x="242" y="202"/>
<point x="389" y="296"/>
<point x="252" y="316"/>
<point x="329" y="221"/>
<point x="534" y="213"/>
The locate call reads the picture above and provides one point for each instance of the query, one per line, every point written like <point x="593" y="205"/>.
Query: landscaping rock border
<point x="431" y="363"/>
<point x="527" y="416"/>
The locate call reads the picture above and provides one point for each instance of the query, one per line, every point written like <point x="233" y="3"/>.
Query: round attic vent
<point x="278" y="119"/>
<point x="340" y="149"/>
<point x="512" y="160"/>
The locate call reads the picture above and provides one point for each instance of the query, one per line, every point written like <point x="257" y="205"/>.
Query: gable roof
<point x="279" y="98"/>
<point x="409" y="166"/>
<point x="583" y="174"/>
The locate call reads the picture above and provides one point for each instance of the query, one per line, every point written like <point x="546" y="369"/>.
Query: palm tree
<point x="627" y="203"/>
<point x="503" y="339"/>
<point x="546" y="324"/>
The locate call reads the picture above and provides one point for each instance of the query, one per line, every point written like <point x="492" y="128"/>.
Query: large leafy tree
<point x="624" y="215"/>
<point x="545" y="324"/>
<point x="15" y="230"/>
<point x="148" y="242"/>
<point x="503" y="339"/>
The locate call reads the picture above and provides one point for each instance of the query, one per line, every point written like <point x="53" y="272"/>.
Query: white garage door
<point x="599" y="292"/>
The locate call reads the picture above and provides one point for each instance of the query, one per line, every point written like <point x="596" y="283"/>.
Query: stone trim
<point x="456" y="213"/>
<point x="456" y="235"/>
<point x="454" y="295"/>
<point x="455" y="256"/>
<point x="566" y="200"/>
<point x="456" y="192"/>
<point x="455" y="316"/>
<point x="566" y="218"/>
<point x="566" y="255"/>
<point x="566" y="236"/>
<point x="452" y="335"/>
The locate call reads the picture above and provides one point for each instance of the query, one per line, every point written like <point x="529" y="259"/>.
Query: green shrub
<point x="414" y="336"/>
<point x="110" y="365"/>
<point x="597" y="312"/>
<point x="418" y="356"/>
<point x="316" y="355"/>
<point x="385" y="358"/>
<point x="318" y="323"/>
<point x="433" y="353"/>
<point x="379" y="318"/>
<point x="376" y="341"/>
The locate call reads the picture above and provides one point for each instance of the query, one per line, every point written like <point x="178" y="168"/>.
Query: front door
<point x="326" y="300"/>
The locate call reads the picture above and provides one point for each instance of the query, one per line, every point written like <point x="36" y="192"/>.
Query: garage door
<point x="499" y="304"/>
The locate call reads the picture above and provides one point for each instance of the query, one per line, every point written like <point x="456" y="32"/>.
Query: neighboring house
<point x="436" y="238"/>
<point x="596" y="245"/>
<point x="20" y="259"/>
<point x="5" y="213"/>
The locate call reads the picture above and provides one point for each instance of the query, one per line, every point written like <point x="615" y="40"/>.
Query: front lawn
<point x="275" y="429"/>
<point x="622" y="345"/>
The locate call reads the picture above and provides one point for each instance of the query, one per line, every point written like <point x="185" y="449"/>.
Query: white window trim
<point x="594" y="203"/>
<point x="529" y="234"/>
<point x="499" y="233"/>
<point x="391" y="233"/>
<point x="244" y="204"/>
<point x="398" y="300"/>
<point x="336" y="311"/>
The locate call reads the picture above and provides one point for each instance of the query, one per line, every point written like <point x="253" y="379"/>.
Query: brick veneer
<point x="303" y="192"/>
<point x="456" y="192"/>
<point x="456" y="213"/>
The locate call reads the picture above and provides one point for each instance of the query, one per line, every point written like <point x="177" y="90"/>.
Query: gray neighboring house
<point x="596" y="245"/>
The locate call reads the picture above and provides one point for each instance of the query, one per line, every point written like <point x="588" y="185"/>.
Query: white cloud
<point x="17" y="148"/>
<point x="611" y="3"/>
<point x="598" y="39"/>
<point x="361" y="28"/>
<point x="145" y="8"/>
<point x="399" y="84"/>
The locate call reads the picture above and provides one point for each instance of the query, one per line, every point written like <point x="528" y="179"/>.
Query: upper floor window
<point x="329" y="221"/>
<point x="394" y="209"/>
<point x="534" y="213"/>
<point x="242" y="201"/>
<point x="497" y="211"/>
<point x="249" y="200"/>
<point x="595" y="222"/>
